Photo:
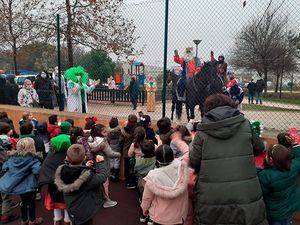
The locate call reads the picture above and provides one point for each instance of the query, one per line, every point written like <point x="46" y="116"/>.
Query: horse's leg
<point x="179" y="109"/>
<point x="187" y="111"/>
<point x="201" y="108"/>
<point x="192" y="108"/>
<point x="173" y="109"/>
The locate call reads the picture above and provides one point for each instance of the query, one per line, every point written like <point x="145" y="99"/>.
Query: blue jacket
<point x="21" y="175"/>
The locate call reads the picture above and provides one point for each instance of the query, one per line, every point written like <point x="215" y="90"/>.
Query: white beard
<point x="188" y="57"/>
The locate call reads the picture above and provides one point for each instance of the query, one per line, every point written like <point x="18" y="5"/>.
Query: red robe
<point x="191" y="65"/>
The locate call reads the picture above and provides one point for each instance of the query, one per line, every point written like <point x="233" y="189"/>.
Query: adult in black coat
<point x="11" y="91"/>
<point x="44" y="88"/>
<point x="251" y="91"/>
<point x="2" y="89"/>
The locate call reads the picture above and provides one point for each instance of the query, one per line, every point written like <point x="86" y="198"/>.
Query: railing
<point x="100" y="94"/>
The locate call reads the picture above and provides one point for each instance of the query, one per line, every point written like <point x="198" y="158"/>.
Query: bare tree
<point x="96" y="24"/>
<point x="286" y="60"/>
<point x="17" y="27"/>
<point x="255" y="45"/>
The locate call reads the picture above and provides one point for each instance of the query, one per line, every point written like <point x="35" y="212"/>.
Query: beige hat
<point x="26" y="146"/>
<point x="189" y="50"/>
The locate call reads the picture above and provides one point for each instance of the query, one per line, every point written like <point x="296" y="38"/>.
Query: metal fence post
<point x="60" y="97"/>
<point x="165" y="59"/>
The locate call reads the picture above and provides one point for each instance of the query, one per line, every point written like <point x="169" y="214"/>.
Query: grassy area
<point x="286" y="98"/>
<point x="293" y="101"/>
<point x="254" y="107"/>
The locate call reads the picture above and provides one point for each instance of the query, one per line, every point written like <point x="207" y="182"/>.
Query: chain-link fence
<point x="247" y="49"/>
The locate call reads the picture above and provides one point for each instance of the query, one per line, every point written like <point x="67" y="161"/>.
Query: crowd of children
<point x="74" y="165"/>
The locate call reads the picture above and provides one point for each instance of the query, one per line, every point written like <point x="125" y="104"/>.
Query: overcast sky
<point x="215" y="22"/>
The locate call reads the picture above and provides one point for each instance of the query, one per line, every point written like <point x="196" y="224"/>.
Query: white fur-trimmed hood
<point x="75" y="186"/>
<point x="170" y="181"/>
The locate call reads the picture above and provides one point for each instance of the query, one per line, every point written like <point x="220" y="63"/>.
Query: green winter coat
<point x="227" y="190"/>
<point x="280" y="189"/>
<point x="141" y="170"/>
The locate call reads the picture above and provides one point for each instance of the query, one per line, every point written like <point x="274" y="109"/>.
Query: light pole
<point x="165" y="58"/>
<point x="197" y="42"/>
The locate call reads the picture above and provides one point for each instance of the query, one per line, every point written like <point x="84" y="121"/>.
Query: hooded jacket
<point x="227" y="190"/>
<point x="21" y="175"/>
<point x="141" y="169"/>
<point x="80" y="186"/>
<point x="115" y="139"/>
<point x="100" y="146"/>
<point x="280" y="189"/>
<point x="166" y="193"/>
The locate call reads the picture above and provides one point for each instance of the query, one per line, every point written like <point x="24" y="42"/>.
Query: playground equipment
<point x="137" y="69"/>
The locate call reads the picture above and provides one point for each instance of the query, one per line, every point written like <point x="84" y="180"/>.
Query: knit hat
<point x="26" y="146"/>
<point x="65" y="127"/>
<point x="4" y="142"/>
<point x="61" y="142"/>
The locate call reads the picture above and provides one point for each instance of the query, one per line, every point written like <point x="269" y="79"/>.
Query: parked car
<point x="20" y="79"/>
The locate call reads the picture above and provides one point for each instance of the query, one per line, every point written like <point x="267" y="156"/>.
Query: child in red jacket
<point x="53" y="127"/>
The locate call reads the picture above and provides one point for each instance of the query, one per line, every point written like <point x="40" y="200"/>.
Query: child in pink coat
<point x="182" y="146"/>
<point x="139" y="136"/>
<point x="165" y="197"/>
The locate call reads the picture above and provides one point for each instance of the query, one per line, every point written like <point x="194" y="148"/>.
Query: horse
<point x="177" y="102"/>
<point x="200" y="86"/>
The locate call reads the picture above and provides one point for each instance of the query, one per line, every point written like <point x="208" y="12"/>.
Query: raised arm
<point x="196" y="153"/>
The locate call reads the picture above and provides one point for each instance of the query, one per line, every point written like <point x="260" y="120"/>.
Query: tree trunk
<point x="266" y="79"/>
<point x="280" y="89"/>
<point x="69" y="34"/>
<point x="14" y="50"/>
<point x="277" y="82"/>
<point x="14" y="40"/>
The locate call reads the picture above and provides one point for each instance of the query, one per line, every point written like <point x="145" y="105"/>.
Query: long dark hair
<point x="75" y="133"/>
<point x="164" y="155"/>
<point x="139" y="136"/>
<point x="97" y="130"/>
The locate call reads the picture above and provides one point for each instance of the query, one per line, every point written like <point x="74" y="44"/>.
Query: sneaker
<point x="131" y="186"/>
<point x="9" y="218"/>
<point x="38" y="196"/>
<point x="150" y="222"/>
<point x="143" y="219"/>
<point x="109" y="204"/>
<point x="37" y="221"/>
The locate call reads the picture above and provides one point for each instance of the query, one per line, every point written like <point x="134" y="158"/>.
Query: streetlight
<point x="197" y="42"/>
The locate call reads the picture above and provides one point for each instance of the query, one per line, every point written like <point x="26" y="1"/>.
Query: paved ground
<point x="272" y="120"/>
<point x="127" y="211"/>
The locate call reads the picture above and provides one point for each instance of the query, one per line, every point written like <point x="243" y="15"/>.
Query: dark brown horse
<point x="200" y="86"/>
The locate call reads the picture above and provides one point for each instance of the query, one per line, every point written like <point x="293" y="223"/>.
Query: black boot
<point x="112" y="174"/>
<point x="116" y="175"/>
